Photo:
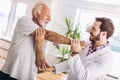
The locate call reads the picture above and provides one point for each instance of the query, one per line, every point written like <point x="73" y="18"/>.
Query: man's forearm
<point x="57" y="38"/>
<point x="39" y="50"/>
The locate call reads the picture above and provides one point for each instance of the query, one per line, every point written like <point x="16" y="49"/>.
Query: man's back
<point x="20" y="62"/>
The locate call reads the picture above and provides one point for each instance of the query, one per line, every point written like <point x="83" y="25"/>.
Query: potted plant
<point x="72" y="34"/>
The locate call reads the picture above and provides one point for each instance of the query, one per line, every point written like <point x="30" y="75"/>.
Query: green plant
<point x="65" y="51"/>
<point x="72" y="34"/>
<point x="69" y="25"/>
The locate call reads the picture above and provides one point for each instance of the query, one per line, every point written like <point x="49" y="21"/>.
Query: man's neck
<point x="36" y="22"/>
<point x="97" y="44"/>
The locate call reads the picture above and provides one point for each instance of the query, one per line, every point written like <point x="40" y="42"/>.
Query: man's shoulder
<point x="24" y="18"/>
<point x="22" y="22"/>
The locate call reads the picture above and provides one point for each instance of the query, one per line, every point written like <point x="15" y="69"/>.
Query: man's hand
<point x="50" y="69"/>
<point x="41" y="63"/>
<point x="39" y="39"/>
<point x="75" y="46"/>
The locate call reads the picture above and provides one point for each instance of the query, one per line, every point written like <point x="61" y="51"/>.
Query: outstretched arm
<point x="57" y="38"/>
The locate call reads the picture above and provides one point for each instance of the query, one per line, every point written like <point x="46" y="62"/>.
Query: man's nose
<point x="88" y="29"/>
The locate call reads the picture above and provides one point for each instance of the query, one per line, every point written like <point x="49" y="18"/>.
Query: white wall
<point x="60" y="12"/>
<point x="68" y="8"/>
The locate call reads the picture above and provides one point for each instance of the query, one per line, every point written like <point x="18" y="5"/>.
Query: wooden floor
<point x="50" y="76"/>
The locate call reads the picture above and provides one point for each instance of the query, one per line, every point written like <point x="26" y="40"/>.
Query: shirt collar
<point x="91" y="49"/>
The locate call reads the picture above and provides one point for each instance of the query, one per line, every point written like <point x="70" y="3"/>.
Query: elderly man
<point x="93" y="62"/>
<point x="25" y="55"/>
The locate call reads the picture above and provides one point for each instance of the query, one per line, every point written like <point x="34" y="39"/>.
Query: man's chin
<point x="43" y="25"/>
<point x="92" y="40"/>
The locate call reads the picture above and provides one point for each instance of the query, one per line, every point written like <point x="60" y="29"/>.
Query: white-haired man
<point x="25" y="56"/>
<point x="20" y="63"/>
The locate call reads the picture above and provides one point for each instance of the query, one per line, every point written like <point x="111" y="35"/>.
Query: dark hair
<point x="107" y="25"/>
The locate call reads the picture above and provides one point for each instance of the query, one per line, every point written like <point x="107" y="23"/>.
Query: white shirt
<point x="92" y="67"/>
<point x="20" y="63"/>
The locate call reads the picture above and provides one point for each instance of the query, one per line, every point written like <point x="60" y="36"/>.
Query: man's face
<point x="95" y="32"/>
<point x="44" y="17"/>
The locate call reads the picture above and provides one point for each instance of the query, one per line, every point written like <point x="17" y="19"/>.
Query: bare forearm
<point x="39" y="51"/>
<point x="57" y="38"/>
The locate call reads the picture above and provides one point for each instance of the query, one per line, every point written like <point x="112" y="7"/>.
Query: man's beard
<point x="40" y="22"/>
<point x="94" y="38"/>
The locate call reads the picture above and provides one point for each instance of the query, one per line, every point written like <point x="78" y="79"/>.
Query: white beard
<point x="42" y="23"/>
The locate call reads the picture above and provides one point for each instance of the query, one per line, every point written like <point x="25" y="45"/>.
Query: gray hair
<point x="38" y="7"/>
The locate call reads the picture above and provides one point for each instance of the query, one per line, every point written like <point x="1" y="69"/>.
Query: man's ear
<point x="35" y="14"/>
<point x="104" y="33"/>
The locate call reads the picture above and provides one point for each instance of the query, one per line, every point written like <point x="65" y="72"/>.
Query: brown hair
<point x="107" y="25"/>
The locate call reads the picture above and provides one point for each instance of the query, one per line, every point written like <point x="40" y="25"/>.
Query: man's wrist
<point x="75" y="52"/>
